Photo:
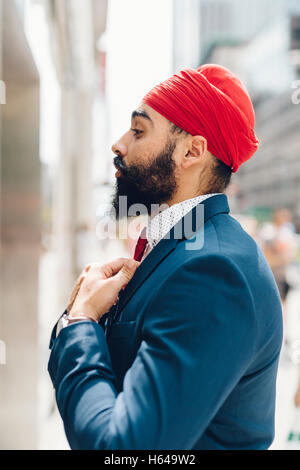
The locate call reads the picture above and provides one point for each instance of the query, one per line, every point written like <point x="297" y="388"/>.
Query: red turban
<point x="210" y="101"/>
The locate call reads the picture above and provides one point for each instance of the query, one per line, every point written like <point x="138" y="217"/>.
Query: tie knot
<point x="143" y="234"/>
<point x="141" y="245"/>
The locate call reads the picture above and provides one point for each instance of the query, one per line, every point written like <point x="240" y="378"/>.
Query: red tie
<point x="141" y="245"/>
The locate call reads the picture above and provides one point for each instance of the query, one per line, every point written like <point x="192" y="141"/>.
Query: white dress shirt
<point x="162" y="222"/>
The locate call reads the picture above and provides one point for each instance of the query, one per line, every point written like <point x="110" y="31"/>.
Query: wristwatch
<point x="66" y="320"/>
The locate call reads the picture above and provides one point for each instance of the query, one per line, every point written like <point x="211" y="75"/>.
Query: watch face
<point x="59" y="327"/>
<point x="62" y="322"/>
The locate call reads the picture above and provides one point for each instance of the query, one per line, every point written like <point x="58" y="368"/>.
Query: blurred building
<point x="20" y="232"/>
<point x="65" y="200"/>
<point x="75" y="27"/>
<point x="186" y="34"/>
<point x="260" y="42"/>
<point x="272" y="62"/>
<point x="233" y="21"/>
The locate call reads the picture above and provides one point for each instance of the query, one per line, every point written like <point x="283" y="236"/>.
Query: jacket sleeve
<point x="198" y="339"/>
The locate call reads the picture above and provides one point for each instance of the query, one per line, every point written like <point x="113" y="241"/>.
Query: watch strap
<point x="71" y="320"/>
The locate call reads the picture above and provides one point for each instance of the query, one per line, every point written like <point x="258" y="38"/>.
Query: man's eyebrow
<point x="142" y="114"/>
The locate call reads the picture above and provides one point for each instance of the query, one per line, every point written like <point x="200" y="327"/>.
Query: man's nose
<point x="119" y="148"/>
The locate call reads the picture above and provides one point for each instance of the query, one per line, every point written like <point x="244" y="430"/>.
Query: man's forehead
<point x="146" y="112"/>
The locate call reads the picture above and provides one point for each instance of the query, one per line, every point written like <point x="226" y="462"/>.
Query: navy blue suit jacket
<point x="189" y="360"/>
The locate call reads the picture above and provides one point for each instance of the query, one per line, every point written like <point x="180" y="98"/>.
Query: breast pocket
<point x="122" y="329"/>
<point x="120" y="341"/>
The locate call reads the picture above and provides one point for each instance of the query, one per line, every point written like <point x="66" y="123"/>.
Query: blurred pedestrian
<point x="250" y="225"/>
<point x="297" y="395"/>
<point x="278" y="241"/>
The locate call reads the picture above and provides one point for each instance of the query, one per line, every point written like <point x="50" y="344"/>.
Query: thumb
<point x="126" y="273"/>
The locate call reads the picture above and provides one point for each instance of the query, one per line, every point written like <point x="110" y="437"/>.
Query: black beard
<point x="146" y="184"/>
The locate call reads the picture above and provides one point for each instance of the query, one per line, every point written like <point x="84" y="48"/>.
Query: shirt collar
<point x="162" y="222"/>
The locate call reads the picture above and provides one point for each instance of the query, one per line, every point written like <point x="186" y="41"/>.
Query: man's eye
<point x="136" y="131"/>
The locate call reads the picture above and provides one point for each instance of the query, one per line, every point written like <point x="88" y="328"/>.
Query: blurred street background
<point x="72" y="71"/>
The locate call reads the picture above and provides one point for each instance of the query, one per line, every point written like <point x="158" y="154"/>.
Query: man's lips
<point x="118" y="163"/>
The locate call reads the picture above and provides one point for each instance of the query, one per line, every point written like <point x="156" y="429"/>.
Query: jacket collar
<point x="163" y="222"/>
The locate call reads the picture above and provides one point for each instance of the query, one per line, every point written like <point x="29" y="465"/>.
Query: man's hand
<point x="98" y="287"/>
<point x="77" y="287"/>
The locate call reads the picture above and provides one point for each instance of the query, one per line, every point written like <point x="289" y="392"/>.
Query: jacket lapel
<point x="156" y="255"/>
<point x="212" y="206"/>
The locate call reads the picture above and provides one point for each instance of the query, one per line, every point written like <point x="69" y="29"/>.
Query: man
<point x="186" y="355"/>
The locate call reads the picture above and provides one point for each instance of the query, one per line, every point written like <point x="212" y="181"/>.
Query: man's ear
<point x="197" y="149"/>
<point x="198" y="146"/>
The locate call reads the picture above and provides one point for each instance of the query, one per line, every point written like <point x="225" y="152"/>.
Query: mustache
<point x="119" y="164"/>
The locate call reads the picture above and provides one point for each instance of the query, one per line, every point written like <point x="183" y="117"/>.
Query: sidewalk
<point x="288" y="376"/>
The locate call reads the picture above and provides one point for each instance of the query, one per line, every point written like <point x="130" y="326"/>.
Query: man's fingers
<point x="117" y="273"/>
<point x="107" y="269"/>
<point x="75" y="292"/>
<point x="112" y="268"/>
<point x="126" y="273"/>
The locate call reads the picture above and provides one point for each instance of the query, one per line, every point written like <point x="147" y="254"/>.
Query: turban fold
<point x="212" y="102"/>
